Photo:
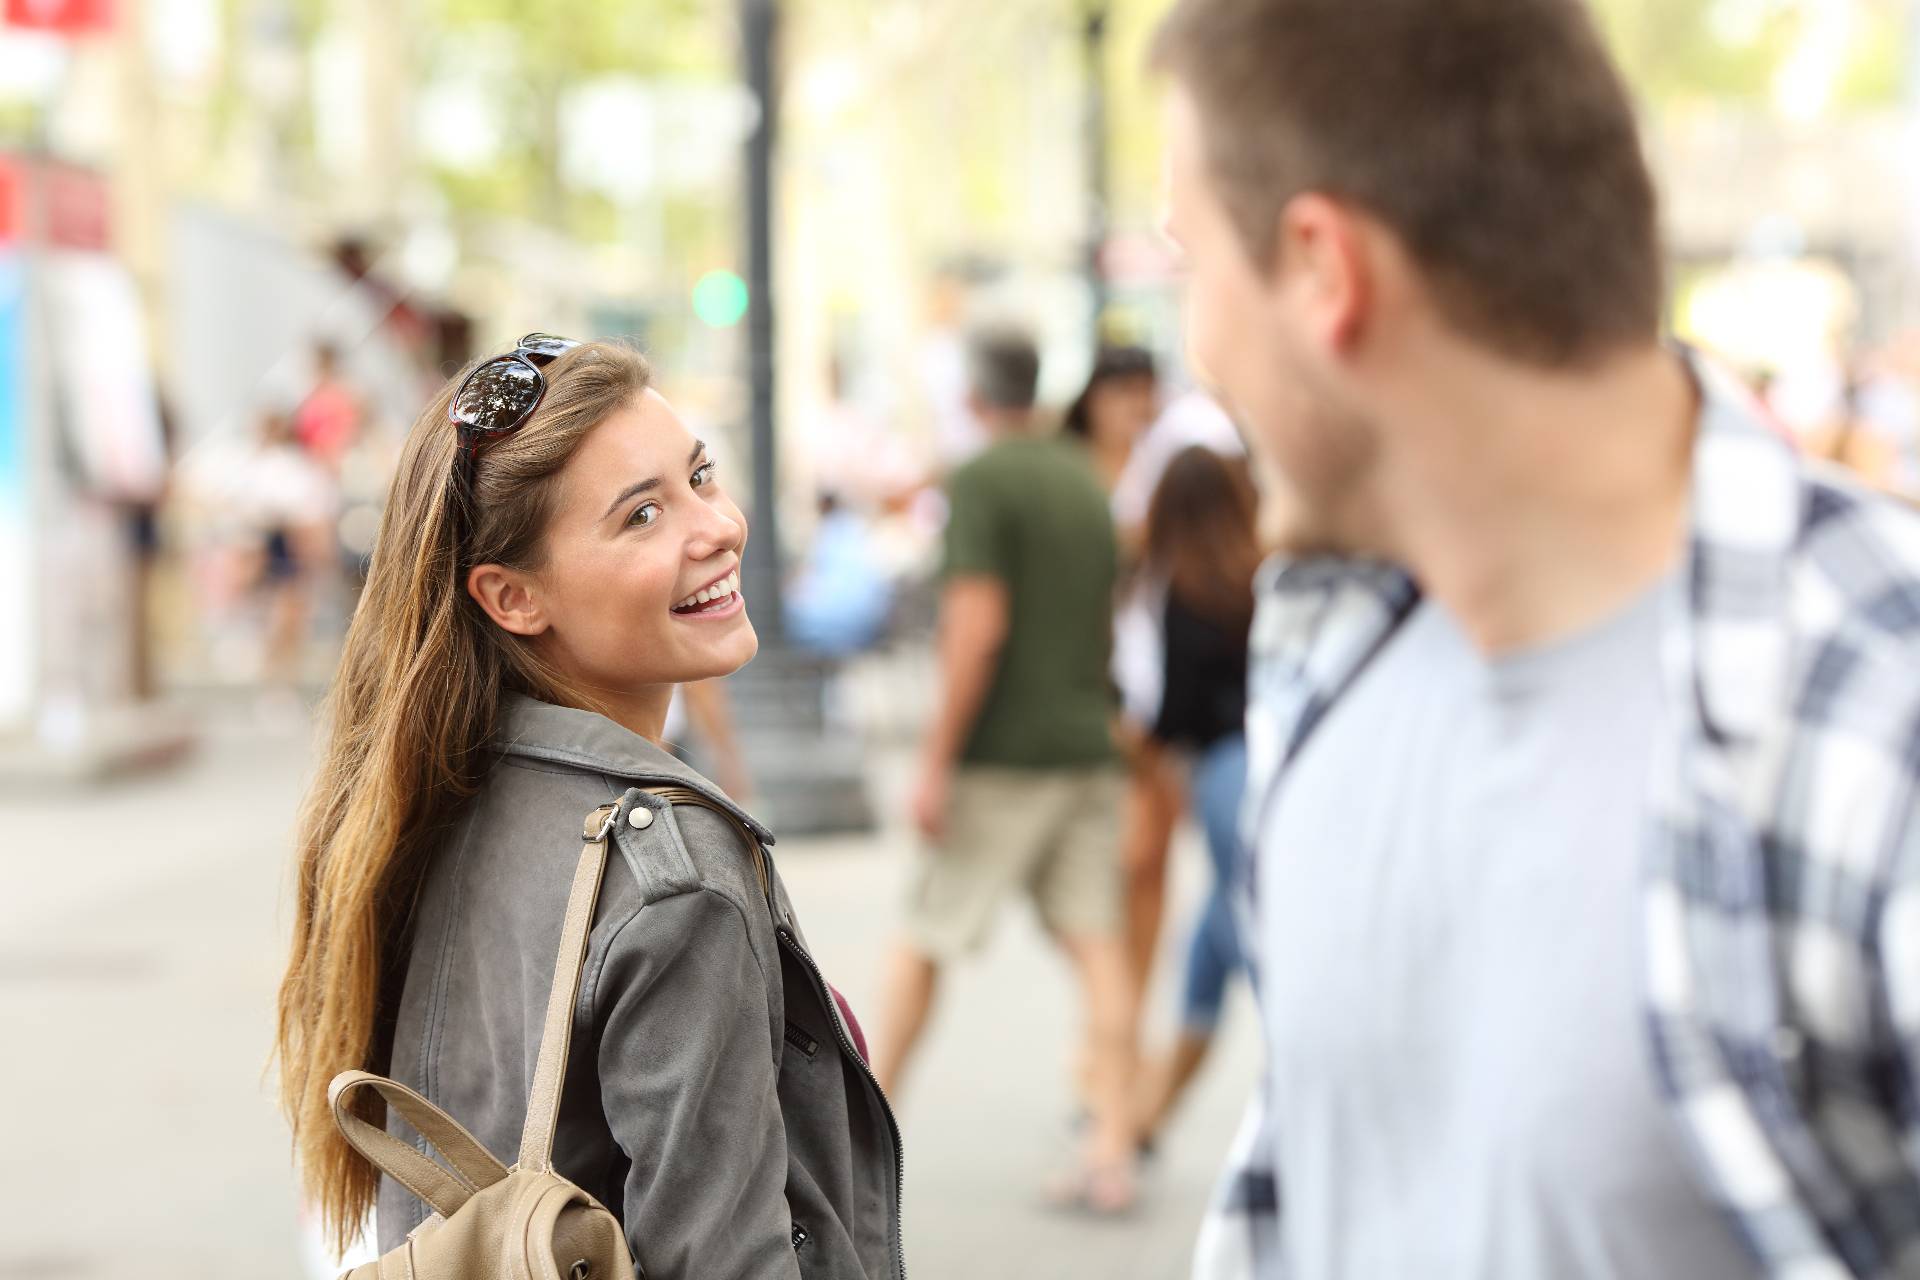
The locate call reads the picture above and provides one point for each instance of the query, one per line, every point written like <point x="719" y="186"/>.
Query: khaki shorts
<point x="1055" y="833"/>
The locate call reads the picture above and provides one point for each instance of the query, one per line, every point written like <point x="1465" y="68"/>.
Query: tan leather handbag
<point x="491" y="1222"/>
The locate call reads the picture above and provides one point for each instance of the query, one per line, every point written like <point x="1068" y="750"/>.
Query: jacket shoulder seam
<point x="592" y="996"/>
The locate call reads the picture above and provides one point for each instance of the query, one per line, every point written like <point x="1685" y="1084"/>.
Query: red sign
<point x="65" y="205"/>
<point x="71" y="17"/>
<point x="76" y="206"/>
<point x="13" y="201"/>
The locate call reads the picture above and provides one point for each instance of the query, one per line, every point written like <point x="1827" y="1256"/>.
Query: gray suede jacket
<point x="714" y="1099"/>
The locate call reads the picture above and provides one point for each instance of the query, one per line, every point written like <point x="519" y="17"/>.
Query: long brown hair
<point x="410" y="716"/>
<point x="1203" y="535"/>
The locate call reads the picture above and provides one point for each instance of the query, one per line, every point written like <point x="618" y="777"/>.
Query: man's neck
<point x="1532" y="504"/>
<point x="1008" y="424"/>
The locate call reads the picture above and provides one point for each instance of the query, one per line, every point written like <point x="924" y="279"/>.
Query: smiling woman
<point x="557" y="554"/>
<point x="640" y="525"/>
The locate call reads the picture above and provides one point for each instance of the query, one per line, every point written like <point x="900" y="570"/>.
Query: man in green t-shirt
<point x="1019" y="786"/>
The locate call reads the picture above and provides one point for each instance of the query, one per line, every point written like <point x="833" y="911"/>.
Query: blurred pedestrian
<point x="840" y="596"/>
<point x="147" y="549"/>
<point x="1018" y="786"/>
<point x="287" y="501"/>
<point x="1203" y="545"/>
<point x="1118" y="407"/>
<point x="1194" y="417"/>
<point x="556" y="556"/>
<point x="1586" y="873"/>
<point x="1848" y="437"/>
<point x="1156" y="783"/>
<point x="700" y="729"/>
<point x="1114" y="409"/>
<point x="329" y="419"/>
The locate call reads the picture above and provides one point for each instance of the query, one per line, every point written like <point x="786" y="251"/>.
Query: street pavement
<point x="142" y="926"/>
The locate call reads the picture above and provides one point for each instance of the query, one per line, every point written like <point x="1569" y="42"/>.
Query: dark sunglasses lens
<point x="499" y="395"/>
<point x="542" y="347"/>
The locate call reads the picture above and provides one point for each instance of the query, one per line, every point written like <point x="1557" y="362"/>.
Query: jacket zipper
<point x="686" y="795"/>
<point x="847" y="1048"/>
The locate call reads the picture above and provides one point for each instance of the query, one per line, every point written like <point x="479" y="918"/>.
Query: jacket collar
<point x="566" y="735"/>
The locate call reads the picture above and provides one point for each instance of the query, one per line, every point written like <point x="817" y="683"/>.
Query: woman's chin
<point x="733" y="650"/>
<point x="748" y="643"/>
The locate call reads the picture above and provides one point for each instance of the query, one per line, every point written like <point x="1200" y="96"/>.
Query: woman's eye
<point x="703" y="474"/>
<point x="647" y="513"/>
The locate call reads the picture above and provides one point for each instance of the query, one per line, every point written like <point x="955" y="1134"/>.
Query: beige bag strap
<point x="687" y="795"/>
<point x="549" y="1073"/>
<point x="473" y="1167"/>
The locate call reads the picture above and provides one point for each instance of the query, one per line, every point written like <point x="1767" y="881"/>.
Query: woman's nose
<point x="718" y="531"/>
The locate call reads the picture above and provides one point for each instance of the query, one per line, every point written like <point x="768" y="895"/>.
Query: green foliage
<point x="1877" y="62"/>
<point x="1675" y="50"/>
<point x="1678" y="51"/>
<point x="534" y="52"/>
<point x="559" y="42"/>
<point x="1674" y="53"/>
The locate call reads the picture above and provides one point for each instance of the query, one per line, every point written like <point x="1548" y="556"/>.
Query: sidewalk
<point x="141" y="935"/>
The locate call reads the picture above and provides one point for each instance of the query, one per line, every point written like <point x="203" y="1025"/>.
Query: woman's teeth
<point x="719" y="591"/>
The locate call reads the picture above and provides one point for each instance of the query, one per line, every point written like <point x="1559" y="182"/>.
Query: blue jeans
<point x="1219" y="781"/>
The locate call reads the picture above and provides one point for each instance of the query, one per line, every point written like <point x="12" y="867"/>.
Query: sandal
<point x="1102" y="1190"/>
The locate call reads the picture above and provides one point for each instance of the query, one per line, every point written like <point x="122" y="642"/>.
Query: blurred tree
<point x="1678" y="52"/>
<point x="527" y="57"/>
<point x="1677" y="55"/>
<point x="515" y="60"/>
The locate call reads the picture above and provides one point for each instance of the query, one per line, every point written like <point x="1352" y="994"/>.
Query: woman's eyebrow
<point x="631" y="491"/>
<point x="639" y="487"/>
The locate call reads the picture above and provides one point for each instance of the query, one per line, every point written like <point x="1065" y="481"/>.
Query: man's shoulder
<point x="1025" y="454"/>
<point x="1026" y="467"/>
<point x="1856" y="571"/>
<point x="985" y="473"/>
<point x="1852" y="714"/>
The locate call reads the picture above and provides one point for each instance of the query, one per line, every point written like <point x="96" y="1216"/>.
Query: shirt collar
<point x="1748" y="510"/>
<point x="1320" y="619"/>
<point x="566" y="735"/>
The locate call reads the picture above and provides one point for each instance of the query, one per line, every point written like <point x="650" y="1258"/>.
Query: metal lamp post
<point x="1093" y="51"/>
<point x="808" y="778"/>
<point x="758" y="33"/>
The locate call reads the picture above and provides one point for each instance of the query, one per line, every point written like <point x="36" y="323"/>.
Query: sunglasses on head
<point x="493" y="402"/>
<point x="498" y="397"/>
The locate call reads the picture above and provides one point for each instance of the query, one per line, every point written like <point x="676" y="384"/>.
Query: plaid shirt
<point x="1781" y="870"/>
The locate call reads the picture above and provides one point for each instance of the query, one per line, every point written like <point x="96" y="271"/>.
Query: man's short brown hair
<point x="1003" y="367"/>
<point x="1494" y="138"/>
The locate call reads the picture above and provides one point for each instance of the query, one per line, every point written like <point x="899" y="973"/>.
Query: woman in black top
<point x="1203" y="543"/>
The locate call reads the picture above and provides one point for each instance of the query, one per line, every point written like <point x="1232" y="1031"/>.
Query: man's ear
<point x="1323" y="247"/>
<point x="507" y="596"/>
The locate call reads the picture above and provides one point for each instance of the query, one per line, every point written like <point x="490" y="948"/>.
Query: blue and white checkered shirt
<point x="1781" y="872"/>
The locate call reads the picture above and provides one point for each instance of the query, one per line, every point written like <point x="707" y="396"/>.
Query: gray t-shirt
<point x="1450" y="942"/>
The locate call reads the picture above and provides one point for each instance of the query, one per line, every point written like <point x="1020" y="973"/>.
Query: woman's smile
<point x="720" y="599"/>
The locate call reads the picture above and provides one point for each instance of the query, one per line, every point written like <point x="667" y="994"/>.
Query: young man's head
<point x="1003" y="377"/>
<point x="1355" y="185"/>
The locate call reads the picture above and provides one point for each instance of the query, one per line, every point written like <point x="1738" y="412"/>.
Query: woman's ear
<point x="507" y="597"/>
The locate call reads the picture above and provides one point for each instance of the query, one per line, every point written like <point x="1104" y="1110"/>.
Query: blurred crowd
<point x="1097" y="586"/>
<point x="1861" y="411"/>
